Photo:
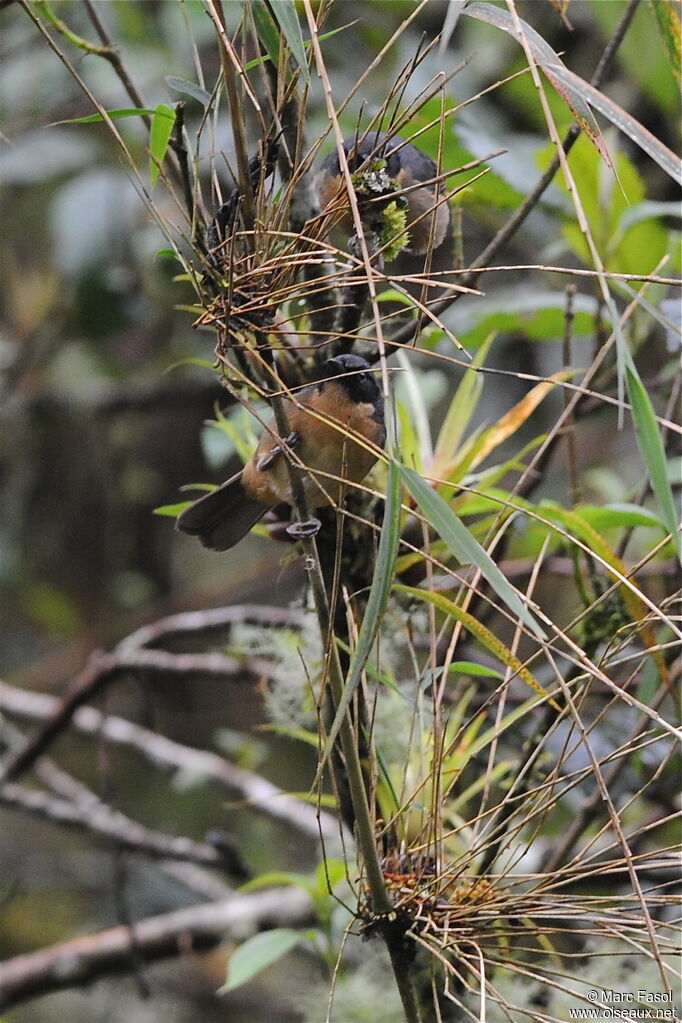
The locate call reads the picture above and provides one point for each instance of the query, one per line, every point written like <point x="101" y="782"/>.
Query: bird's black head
<point x="356" y="378"/>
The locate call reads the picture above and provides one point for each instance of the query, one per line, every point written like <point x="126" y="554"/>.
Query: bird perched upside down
<point x="428" y="219"/>
<point x="329" y="420"/>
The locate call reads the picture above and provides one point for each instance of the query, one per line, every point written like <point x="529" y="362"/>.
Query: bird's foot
<point x="304" y="530"/>
<point x="290" y="443"/>
<point x="292" y="440"/>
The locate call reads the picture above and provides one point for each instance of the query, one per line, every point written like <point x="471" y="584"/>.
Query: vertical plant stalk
<point x="230" y="62"/>
<point x="567" y="359"/>
<point x="382" y="905"/>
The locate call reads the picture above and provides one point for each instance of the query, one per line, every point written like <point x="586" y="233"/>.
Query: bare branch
<point x="98" y="819"/>
<point x="211" y="620"/>
<point x="261" y="794"/>
<point x="100" y="670"/>
<point x="81" y="960"/>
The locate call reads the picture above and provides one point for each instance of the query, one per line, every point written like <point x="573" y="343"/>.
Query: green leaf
<point x="652" y="450"/>
<point x="456" y="805"/>
<point x="647" y="209"/>
<point x="580" y="95"/>
<point x="380" y="589"/>
<point x="187" y="88"/>
<point x="238" y="428"/>
<point x="290" y="732"/>
<point x="114" y="115"/>
<point x="409" y="442"/>
<point x="171" y="510"/>
<point x="626" y="230"/>
<point x="163" y="121"/>
<point x="471" y="668"/>
<point x="459" y="668"/>
<point x="641" y="136"/>
<point x="492" y="734"/>
<point x="464" y="546"/>
<point x="619" y="516"/>
<point x="462" y="408"/>
<point x="285" y="12"/>
<point x="419" y="390"/>
<point x="462" y="146"/>
<point x="566" y="84"/>
<point x="538" y="313"/>
<point x="640" y="58"/>
<point x="256" y="954"/>
<point x="330" y="873"/>
<point x="167" y="254"/>
<point x="277" y="877"/>
<point x="267" y="30"/>
<point x="327" y="35"/>
<point x="393" y="295"/>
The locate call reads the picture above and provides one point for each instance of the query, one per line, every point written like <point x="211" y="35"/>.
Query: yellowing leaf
<point x="668" y="18"/>
<point x="515" y="418"/>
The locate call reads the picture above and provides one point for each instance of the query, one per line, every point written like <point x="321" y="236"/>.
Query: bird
<point x="336" y="426"/>
<point x="428" y="215"/>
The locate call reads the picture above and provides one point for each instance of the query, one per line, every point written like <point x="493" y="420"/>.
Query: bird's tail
<point x="222" y="517"/>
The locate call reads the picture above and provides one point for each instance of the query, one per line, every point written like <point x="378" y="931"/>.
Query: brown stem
<point x="112" y="53"/>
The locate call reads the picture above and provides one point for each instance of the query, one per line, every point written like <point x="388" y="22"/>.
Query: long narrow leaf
<point x="327" y="35"/>
<point x="114" y="115"/>
<point x="641" y="136"/>
<point x="462" y="408"/>
<point x="667" y="15"/>
<point x="159" y="137"/>
<point x="465" y="547"/>
<point x="568" y="87"/>
<point x="266" y="29"/>
<point x="420" y="414"/>
<point x="653" y="452"/>
<point x="513" y="420"/>
<point x="285" y="12"/>
<point x="452" y="13"/>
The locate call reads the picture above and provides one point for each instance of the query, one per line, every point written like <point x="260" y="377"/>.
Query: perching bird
<point x="328" y="421"/>
<point x="428" y="215"/>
